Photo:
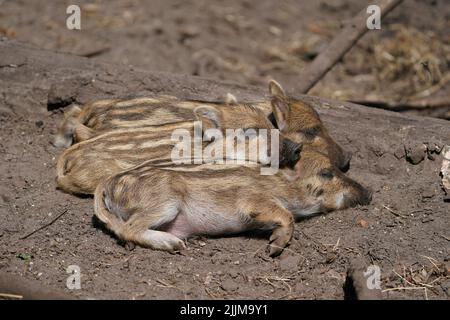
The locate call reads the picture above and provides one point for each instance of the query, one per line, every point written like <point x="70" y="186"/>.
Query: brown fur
<point x="297" y="120"/>
<point x="157" y="207"/>
<point x="66" y="130"/>
<point x="108" y="115"/>
<point x="82" y="166"/>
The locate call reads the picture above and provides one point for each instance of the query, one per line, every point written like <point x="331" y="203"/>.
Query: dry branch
<point x="339" y="46"/>
<point x="45" y="225"/>
<point x="421" y="104"/>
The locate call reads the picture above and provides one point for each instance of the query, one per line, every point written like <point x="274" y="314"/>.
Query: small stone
<point x="157" y="26"/>
<point x="424" y="273"/>
<point x="289" y="263"/>
<point x="427" y="219"/>
<point x="229" y="285"/>
<point x="201" y="243"/>
<point x="208" y="279"/>
<point x="415" y="154"/>
<point x="427" y="194"/>
<point x="275" y="31"/>
<point x="363" y="223"/>
<point x="189" y="32"/>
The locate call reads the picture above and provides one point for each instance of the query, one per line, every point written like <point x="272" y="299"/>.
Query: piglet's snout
<point x="365" y="197"/>
<point x="357" y="195"/>
<point x="362" y="195"/>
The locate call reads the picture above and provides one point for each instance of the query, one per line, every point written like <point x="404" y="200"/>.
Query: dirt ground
<point x="249" y="42"/>
<point x="405" y="231"/>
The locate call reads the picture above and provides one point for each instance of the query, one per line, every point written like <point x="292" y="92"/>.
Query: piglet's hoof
<point x="274" y="251"/>
<point x="278" y="240"/>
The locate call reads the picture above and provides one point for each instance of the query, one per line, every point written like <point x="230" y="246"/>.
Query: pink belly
<point x="185" y="226"/>
<point x="180" y="227"/>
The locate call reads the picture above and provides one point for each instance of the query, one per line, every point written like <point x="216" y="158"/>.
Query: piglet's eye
<point x="326" y="174"/>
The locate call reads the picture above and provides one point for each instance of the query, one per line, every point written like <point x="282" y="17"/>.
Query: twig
<point x="339" y="46"/>
<point x="337" y="244"/>
<point x="117" y="263"/>
<point x="403" y="278"/>
<point x="95" y="52"/>
<point x="44" y="226"/>
<point x="431" y="261"/>
<point x="416" y="282"/>
<point x="409" y="288"/>
<point x="422" y="104"/>
<point x="11" y="296"/>
<point x="164" y="284"/>
<point x="431" y="90"/>
<point x="210" y="293"/>
<point x="274" y="278"/>
<point x="353" y="250"/>
<point x="393" y="212"/>
<point x="403" y="288"/>
<point x="435" y="280"/>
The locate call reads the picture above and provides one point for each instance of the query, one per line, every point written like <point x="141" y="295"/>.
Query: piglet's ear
<point x="210" y="117"/>
<point x="276" y="89"/>
<point x="281" y="111"/>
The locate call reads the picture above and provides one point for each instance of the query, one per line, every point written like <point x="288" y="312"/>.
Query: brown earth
<point x="404" y="230"/>
<point x="249" y="42"/>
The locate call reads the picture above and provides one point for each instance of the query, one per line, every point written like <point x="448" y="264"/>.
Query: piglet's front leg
<point x="281" y="221"/>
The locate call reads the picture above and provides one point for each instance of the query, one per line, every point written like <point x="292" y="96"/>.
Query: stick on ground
<point x="44" y="226"/>
<point x="340" y="45"/>
<point x="427" y="103"/>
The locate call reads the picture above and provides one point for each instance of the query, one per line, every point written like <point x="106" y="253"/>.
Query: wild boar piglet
<point x="158" y="207"/>
<point x="103" y="116"/>
<point x="299" y="122"/>
<point x="296" y="119"/>
<point x="82" y="166"/>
